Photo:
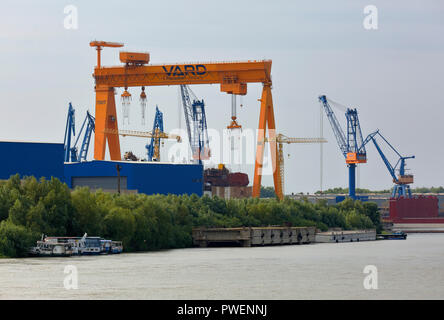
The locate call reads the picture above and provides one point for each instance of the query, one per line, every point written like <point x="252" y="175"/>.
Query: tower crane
<point x="351" y="145"/>
<point x="281" y="139"/>
<point x="401" y="181"/>
<point x="71" y="153"/>
<point x="195" y="118"/>
<point x="154" y="146"/>
<point x="156" y="135"/>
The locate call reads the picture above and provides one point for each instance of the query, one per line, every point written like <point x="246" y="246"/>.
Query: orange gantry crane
<point x="136" y="72"/>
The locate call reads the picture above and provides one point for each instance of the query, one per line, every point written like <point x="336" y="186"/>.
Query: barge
<point x="253" y="236"/>
<point x="346" y="236"/>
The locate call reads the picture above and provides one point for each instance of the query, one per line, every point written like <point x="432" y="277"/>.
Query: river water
<point x="410" y="269"/>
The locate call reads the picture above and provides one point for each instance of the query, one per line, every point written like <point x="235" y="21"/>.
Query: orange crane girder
<point x="194" y="73"/>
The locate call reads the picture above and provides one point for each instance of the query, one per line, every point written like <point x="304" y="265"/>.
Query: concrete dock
<point x="253" y="236"/>
<point x="346" y="236"/>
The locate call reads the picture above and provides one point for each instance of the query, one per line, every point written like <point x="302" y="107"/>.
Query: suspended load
<point x="126" y="102"/>
<point x="143" y="105"/>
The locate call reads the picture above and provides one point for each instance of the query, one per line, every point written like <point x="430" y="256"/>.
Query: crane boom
<point x="69" y="132"/>
<point x="281" y="139"/>
<point x="144" y="134"/>
<point x="337" y="129"/>
<point x="195" y="118"/>
<point x="90" y="127"/>
<point x="402" y="181"/>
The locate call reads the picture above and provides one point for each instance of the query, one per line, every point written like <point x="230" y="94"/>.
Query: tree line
<point x="340" y="190"/>
<point x="30" y="208"/>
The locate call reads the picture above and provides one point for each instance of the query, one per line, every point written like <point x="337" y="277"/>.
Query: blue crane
<point x="89" y="126"/>
<point x="71" y="153"/>
<point x="194" y="110"/>
<point x="351" y="144"/>
<point x="154" y="146"/>
<point x="401" y="181"/>
<point x="70" y="130"/>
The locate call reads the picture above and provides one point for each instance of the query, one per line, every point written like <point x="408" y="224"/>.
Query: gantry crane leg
<point x="106" y="118"/>
<point x="266" y="119"/>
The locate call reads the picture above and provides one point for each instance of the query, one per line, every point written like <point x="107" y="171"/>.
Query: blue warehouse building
<point x="141" y="176"/>
<point x="46" y="160"/>
<point x="31" y="159"/>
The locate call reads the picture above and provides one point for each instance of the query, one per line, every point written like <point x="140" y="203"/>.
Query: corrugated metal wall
<point x="31" y="159"/>
<point x="417" y="207"/>
<point x="145" y="177"/>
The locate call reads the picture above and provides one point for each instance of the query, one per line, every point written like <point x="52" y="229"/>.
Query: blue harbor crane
<point x="70" y="130"/>
<point x="194" y="110"/>
<point x="402" y="181"/>
<point x="72" y="154"/>
<point x="89" y="126"/>
<point x="154" y="146"/>
<point x="351" y="144"/>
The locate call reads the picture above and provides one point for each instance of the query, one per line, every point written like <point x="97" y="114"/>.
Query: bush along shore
<point x="30" y="208"/>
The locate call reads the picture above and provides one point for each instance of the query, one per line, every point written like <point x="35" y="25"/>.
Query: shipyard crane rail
<point x="232" y="77"/>
<point x="401" y="181"/>
<point x="195" y="118"/>
<point x="351" y="144"/>
<point x="281" y="139"/>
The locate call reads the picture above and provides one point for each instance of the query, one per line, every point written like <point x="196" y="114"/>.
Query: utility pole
<point x="118" y="167"/>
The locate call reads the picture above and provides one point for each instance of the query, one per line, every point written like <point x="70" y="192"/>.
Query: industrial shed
<point x="31" y="159"/>
<point x="138" y="176"/>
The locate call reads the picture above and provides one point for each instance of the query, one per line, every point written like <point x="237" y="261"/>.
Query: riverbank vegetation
<point x="367" y="191"/>
<point x="30" y="208"/>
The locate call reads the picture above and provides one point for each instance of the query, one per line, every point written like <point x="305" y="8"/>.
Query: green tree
<point x="15" y="241"/>
<point x="267" y="192"/>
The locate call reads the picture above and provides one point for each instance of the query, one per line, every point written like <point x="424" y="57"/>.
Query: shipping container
<point x="421" y="207"/>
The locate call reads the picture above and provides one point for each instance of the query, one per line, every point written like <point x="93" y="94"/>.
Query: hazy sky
<point x="393" y="75"/>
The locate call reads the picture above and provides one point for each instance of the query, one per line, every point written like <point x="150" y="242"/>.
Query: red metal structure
<point x="421" y="209"/>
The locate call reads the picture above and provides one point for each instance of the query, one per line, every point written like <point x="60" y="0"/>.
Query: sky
<point x="392" y="75"/>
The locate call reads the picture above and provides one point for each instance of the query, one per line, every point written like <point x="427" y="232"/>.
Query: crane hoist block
<point x="234" y="88"/>
<point x="134" y="57"/>
<point x="353" y="157"/>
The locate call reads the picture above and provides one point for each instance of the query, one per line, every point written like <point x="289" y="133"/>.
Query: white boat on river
<point x="50" y="249"/>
